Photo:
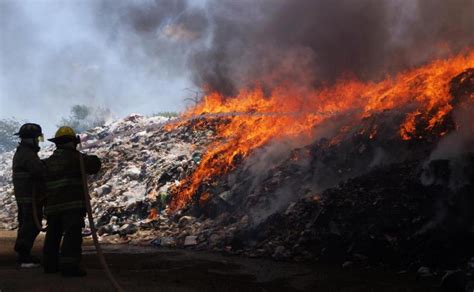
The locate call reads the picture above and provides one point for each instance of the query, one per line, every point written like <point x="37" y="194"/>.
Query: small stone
<point x="279" y="252"/>
<point x="290" y="208"/>
<point x="168" y="241"/>
<point x="424" y="272"/>
<point x="213" y="239"/>
<point x="128" y="229"/>
<point x="185" y="220"/>
<point x="113" y="220"/>
<point x="106" y="189"/>
<point x="190" y="240"/>
<point x="226" y="196"/>
<point x="133" y="173"/>
<point x="347" y="264"/>
<point x="106" y="229"/>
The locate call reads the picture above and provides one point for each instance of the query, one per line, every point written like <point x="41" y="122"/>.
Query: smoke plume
<point x="268" y="42"/>
<point x="140" y="55"/>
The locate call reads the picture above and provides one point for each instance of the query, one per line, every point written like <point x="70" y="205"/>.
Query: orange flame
<point x="422" y="93"/>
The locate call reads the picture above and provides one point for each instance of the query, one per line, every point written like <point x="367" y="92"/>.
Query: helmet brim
<point x="36" y="136"/>
<point x="63" y="139"/>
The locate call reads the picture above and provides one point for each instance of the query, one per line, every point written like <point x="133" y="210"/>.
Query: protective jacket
<point x="28" y="179"/>
<point x="64" y="180"/>
<point x="28" y="172"/>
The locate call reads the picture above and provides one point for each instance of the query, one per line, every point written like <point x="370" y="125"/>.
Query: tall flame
<point x="254" y="118"/>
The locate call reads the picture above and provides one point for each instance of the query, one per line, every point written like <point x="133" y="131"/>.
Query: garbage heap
<point x="141" y="161"/>
<point x="8" y="208"/>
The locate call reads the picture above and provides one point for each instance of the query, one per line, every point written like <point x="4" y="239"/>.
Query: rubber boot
<point x="27" y="261"/>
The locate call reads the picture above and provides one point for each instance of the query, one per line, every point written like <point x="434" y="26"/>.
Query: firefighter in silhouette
<point x="65" y="207"/>
<point x="28" y="181"/>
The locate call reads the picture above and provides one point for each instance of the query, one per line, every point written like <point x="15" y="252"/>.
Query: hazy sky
<point x="127" y="56"/>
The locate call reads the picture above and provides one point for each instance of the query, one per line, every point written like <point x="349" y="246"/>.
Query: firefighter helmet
<point x="30" y="130"/>
<point x="65" y="134"/>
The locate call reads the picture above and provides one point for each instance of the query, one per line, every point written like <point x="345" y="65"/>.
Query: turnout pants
<point x="66" y="225"/>
<point x="27" y="229"/>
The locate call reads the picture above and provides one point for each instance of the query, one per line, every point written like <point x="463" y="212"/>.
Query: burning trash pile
<point x="359" y="173"/>
<point x="364" y="198"/>
<point x="390" y="182"/>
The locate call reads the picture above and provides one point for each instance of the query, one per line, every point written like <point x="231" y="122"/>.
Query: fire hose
<point x="38" y="223"/>
<point x="98" y="248"/>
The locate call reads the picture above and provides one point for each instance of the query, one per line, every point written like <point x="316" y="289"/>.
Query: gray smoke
<point x="461" y="140"/>
<point x="128" y="56"/>
<point x="314" y="41"/>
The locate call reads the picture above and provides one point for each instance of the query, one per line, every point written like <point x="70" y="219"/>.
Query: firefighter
<point x="65" y="207"/>
<point x="28" y="180"/>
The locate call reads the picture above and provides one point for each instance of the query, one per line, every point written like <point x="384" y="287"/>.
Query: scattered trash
<point x="86" y="232"/>
<point x="163" y="242"/>
<point x="190" y="240"/>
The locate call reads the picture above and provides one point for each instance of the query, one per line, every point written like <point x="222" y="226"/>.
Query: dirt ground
<point x="155" y="269"/>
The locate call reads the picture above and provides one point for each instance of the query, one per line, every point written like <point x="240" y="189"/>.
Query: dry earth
<point x="153" y="269"/>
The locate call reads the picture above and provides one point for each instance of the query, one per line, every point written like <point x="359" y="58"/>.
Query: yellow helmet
<point x="65" y="131"/>
<point x="64" y="134"/>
